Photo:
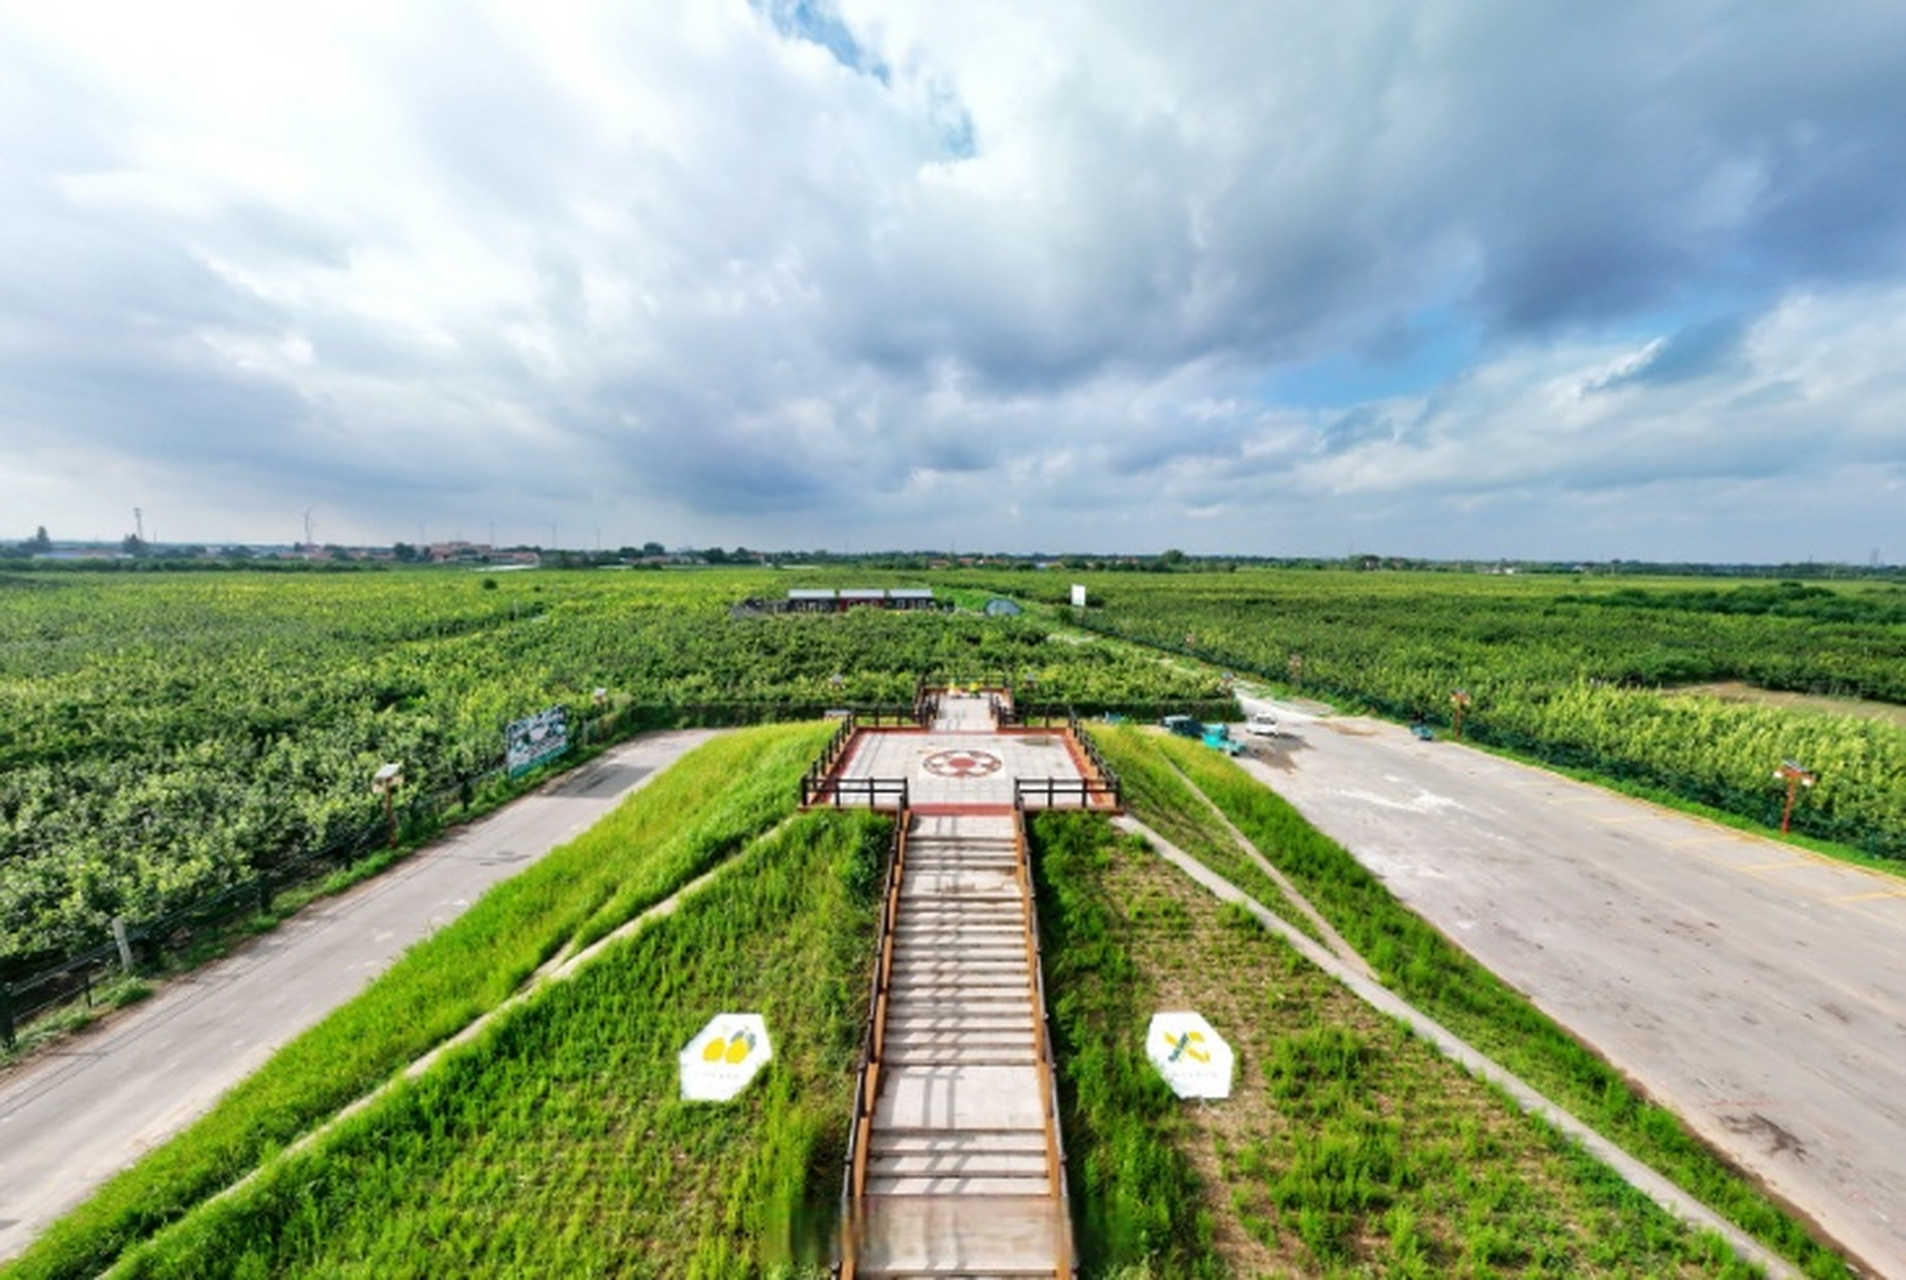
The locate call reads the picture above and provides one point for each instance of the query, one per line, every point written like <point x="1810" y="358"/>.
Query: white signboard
<point x="1078" y="595"/>
<point x="724" y="1056"/>
<point x="1195" y="1060"/>
<point x="530" y="741"/>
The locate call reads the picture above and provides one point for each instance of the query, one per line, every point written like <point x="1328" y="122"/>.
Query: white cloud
<point x="910" y="272"/>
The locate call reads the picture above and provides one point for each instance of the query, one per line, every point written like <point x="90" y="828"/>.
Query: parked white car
<point x="1263" y="725"/>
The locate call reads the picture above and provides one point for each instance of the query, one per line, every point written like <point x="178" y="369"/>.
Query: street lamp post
<point x="1796" y="777"/>
<point x="385" y="782"/>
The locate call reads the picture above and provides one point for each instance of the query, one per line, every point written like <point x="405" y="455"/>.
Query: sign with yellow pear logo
<point x="724" y="1056"/>
<point x="1194" y="1059"/>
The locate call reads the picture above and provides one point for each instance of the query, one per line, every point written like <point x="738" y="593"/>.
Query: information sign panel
<point x="724" y="1056"/>
<point x="534" y="739"/>
<point x="1195" y="1060"/>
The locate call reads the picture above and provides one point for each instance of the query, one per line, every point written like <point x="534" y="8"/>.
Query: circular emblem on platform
<point x="962" y="762"/>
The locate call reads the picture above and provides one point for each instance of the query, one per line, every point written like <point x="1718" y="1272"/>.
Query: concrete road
<point x="1755" y="989"/>
<point x="74" y="1116"/>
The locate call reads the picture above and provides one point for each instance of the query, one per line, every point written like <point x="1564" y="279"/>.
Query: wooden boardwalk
<point x="964" y="1173"/>
<point x="959" y="1170"/>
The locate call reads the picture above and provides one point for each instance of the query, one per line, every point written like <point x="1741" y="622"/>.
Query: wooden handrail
<point x="873" y="1050"/>
<point x="1042" y="1040"/>
<point x="1052" y="791"/>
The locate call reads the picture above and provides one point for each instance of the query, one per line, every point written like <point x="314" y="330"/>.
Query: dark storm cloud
<point x="1623" y="157"/>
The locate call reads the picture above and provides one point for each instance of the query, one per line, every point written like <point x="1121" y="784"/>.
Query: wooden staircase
<point x="959" y="1172"/>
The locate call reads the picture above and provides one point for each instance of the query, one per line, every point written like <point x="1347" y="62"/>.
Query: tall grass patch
<point x="557" y="1144"/>
<point x="1172" y="806"/>
<point x="1136" y="1201"/>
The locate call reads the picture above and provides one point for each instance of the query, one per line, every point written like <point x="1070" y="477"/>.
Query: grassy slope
<point x="557" y="1143"/>
<point x="701" y="810"/>
<point x="1347" y="1148"/>
<point x="1430" y="971"/>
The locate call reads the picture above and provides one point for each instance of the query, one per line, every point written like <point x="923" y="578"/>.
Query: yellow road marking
<point x="1869" y="897"/>
<point x="1775" y="866"/>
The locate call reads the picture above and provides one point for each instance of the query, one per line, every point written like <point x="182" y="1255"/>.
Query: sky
<point x="1440" y="278"/>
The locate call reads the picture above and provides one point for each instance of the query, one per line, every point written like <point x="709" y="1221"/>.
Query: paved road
<point x="1755" y="989"/>
<point x="73" y="1117"/>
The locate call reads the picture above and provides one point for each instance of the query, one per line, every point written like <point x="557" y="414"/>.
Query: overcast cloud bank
<point x="1475" y="279"/>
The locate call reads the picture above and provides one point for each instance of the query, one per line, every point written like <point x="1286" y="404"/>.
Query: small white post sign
<point x="724" y="1056"/>
<point x="1195" y="1060"/>
<point x="1078" y="595"/>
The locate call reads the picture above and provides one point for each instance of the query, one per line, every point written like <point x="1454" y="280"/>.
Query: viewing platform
<point x="956" y="1166"/>
<point x="963" y="760"/>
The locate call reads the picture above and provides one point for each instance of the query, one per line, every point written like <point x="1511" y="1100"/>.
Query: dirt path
<point x="1753" y="988"/>
<point x="77" y="1114"/>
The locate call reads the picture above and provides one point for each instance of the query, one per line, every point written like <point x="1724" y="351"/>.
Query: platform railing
<point x="1067" y="793"/>
<point x="1090" y="748"/>
<point x="867" y="793"/>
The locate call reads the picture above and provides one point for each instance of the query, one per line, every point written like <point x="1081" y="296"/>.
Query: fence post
<point x="8" y="1033"/>
<point x="125" y="943"/>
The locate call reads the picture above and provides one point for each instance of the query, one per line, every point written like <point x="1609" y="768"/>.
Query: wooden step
<point x="917" y="1141"/>
<point x="926" y="962"/>
<point x="978" y="1023"/>
<point x="1021" y="1035"/>
<point x="966" y="1056"/>
<point x="910" y="1237"/>
<point x="975" y="948"/>
<point x="921" y="991"/>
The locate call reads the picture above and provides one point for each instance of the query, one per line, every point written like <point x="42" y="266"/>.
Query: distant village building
<point x="910" y="598"/>
<point x="828" y="600"/>
<point x="810" y="601"/>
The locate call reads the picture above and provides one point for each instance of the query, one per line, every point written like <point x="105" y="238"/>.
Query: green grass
<point x="704" y="808"/>
<point x="557" y="1144"/>
<point x="1425" y="968"/>
<point x="1135" y="1198"/>
<point x="1155" y="786"/>
<point x="1348" y="1147"/>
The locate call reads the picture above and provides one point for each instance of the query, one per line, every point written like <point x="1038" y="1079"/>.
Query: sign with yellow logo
<point x="1194" y="1059"/>
<point x="724" y="1056"/>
